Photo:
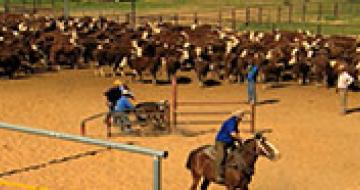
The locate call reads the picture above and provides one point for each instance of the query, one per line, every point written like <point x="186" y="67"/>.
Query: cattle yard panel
<point x="156" y="154"/>
<point x="175" y="113"/>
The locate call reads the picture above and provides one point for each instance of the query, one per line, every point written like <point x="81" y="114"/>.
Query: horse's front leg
<point x="196" y="180"/>
<point x="205" y="184"/>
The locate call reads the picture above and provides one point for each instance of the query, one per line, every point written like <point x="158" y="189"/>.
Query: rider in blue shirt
<point x="225" y="138"/>
<point x="124" y="105"/>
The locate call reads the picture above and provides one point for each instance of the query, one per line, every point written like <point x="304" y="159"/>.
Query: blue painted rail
<point x="157" y="155"/>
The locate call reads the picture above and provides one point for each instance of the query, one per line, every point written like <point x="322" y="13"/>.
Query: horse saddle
<point x="210" y="151"/>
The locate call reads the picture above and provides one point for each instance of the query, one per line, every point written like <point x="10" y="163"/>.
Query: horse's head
<point x="264" y="147"/>
<point x="259" y="145"/>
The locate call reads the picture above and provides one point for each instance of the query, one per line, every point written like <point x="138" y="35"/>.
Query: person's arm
<point x="235" y="132"/>
<point x="350" y="79"/>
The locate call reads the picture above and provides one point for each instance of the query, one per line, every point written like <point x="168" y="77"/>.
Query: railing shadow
<point x="53" y="161"/>
<point x="353" y="110"/>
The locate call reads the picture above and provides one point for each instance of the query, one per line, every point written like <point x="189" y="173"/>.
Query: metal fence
<point x="320" y="17"/>
<point x="157" y="155"/>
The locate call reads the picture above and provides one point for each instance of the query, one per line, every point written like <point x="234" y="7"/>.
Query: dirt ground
<point x="320" y="149"/>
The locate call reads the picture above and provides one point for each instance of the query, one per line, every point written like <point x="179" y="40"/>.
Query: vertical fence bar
<point x="6" y="6"/>
<point x="174" y="102"/>
<point x="290" y="12"/>
<point x="196" y="19"/>
<point x="253" y="110"/>
<point x="220" y="18"/>
<point x="157" y="173"/>
<point x="279" y="14"/>
<point x="260" y="11"/>
<point x="319" y="18"/>
<point x="303" y="19"/>
<point x="133" y="13"/>
<point x="336" y="10"/>
<point x="66" y="8"/>
<point x="233" y="19"/>
<point x="247" y="16"/>
<point x="176" y="19"/>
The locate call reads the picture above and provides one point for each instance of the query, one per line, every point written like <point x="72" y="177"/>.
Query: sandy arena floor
<point x="320" y="149"/>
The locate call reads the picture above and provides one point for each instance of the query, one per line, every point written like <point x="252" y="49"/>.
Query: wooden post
<point x="196" y="19"/>
<point x="133" y="13"/>
<point x="336" y="10"/>
<point x="247" y="16"/>
<point x="176" y="19"/>
<point x="174" y="102"/>
<point x="220" y="19"/>
<point x="108" y="126"/>
<point x="279" y="14"/>
<point x="319" y="18"/>
<point x="303" y="12"/>
<point x="253" y="110"/>
<point x="260" y="10"/>
<point x="6" y="6"/>
<point x="127" y="17"/>
<point x="168" y="117"/>
<point x="82" y="129"/>
<point x="290" y="12"/>
<point x="233" y="19"/>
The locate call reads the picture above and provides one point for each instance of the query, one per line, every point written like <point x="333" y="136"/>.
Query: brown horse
<point x="239" y="166"/>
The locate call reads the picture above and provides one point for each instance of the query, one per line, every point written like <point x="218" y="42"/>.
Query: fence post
<point x="161" y="18"/>
<point x="233" y="19"/>
<point x="260" y="10"/>
<point x="176" y="19"/>
<point x="319" y="18"/>
<point x="6" y="6"/>
<point x="290" y="12"/>
<point x="157" y="173"/>
<point x="253" y="109"/>
<point x="336" y="10"/>
<point x="220" y="19"/>
<point x="303" y="12"/>
<point x="133" y="13"/>
<point x="127" y="17"/>
<point x="247" y="16"/>
<point x="196" y="19"/>
<point x="174" y="102"/>
<point x="279" y="14"/>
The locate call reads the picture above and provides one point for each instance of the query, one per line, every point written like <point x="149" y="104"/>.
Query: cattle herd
<point x="32" y="44"/>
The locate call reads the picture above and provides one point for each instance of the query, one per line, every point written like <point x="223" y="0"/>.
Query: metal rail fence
<point x="157" y="155"/>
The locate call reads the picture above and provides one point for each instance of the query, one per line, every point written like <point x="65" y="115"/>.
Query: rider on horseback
<point x="225" y="138"/>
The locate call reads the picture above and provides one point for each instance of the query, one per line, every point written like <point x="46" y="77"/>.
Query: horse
<point x="239" y="166"/>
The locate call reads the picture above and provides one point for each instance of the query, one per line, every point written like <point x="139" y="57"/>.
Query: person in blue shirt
<point x="225" y="138"/>
<point x="124" y="105"/>
<point x="251" y="78"/>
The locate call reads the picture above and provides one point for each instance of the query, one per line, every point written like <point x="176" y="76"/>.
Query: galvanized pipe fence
<point x="156" y="154"/>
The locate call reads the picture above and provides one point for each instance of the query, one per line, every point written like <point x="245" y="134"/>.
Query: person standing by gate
<point x="344" y="82"/>
<point x="251" y="78"/>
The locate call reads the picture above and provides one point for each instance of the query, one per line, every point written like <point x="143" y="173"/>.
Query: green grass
<point x="349" y="11"/>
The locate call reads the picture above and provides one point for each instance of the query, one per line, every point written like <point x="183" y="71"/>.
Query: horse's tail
<point x="193" y="153"/>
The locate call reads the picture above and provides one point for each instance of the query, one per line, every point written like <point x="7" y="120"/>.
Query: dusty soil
<point x="320" y="148"/>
